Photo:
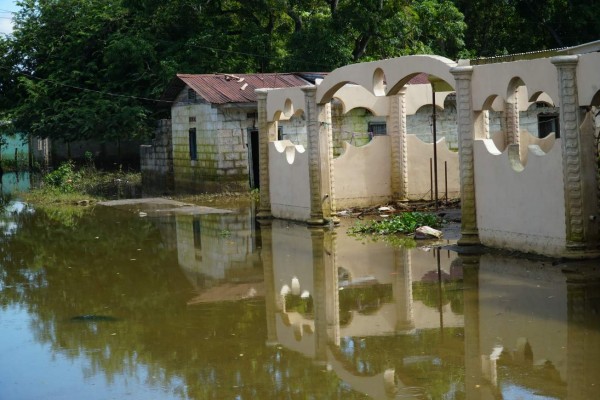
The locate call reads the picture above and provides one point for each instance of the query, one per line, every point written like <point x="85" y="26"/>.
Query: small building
<point x="214" y="131"/>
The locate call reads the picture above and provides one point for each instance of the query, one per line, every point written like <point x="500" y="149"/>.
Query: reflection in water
<point x="13" y="182"/>
<point x="107" y="304"/>
<point x="370" y="313"/>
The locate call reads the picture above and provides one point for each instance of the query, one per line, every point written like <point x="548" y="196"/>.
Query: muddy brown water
<point x="115" y="304"/>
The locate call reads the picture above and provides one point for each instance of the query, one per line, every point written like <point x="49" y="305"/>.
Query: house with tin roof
<point x="210" y="143"/>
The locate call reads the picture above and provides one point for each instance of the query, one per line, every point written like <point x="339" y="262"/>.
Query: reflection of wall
<point x="217" y="246"/>
<point x="15" y="182"/>
<point x="533" y="300"/>
<point x="325" y="264"/>
<point x="583" y="336"/>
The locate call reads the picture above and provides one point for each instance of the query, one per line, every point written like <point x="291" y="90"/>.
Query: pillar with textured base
<point x="267" y="132"/>
<point x="466" y="132"/>
<point x="397" y="123"/>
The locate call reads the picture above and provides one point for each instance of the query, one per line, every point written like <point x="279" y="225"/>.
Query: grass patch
<point x="403" y="223"/>
<point x="70" y="185"/>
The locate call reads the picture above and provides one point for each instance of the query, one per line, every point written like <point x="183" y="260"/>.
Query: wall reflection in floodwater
<point x="218" y="306"/>
<point x="517" y="327"/>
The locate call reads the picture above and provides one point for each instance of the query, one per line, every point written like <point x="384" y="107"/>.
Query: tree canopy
<point x="80" y="69"/>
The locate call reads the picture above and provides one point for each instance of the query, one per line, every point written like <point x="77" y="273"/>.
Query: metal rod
<point x="440" y="293"/>
<point x="430" y="179"/>
<point x="446" y="179"/>
<point x="435" y="148"/>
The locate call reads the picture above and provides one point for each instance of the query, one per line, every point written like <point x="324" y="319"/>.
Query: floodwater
<point x="105" y="303"/>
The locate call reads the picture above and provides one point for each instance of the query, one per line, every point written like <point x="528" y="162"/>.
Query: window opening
<point x="548" y="123"/>
<point x="377" y="128"/>
<point x="192" y="142"/>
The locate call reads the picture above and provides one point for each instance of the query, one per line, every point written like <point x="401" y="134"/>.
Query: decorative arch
<point x="284" y="103"/>
<point x="511" y="90"/>
<point x="538" y="75"/>
<point x="396" y="71"/>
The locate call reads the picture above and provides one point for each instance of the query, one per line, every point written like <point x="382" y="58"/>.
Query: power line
<point x="89" y="90"/>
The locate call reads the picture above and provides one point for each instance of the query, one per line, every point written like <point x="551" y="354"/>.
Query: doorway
<point x="253" y="160"/>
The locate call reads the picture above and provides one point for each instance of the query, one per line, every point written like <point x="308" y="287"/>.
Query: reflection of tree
<point x="428" y="358"/>
<point x="429" y="294"/>
<point x="365" y="300"/>
<point x="106" y="263"/>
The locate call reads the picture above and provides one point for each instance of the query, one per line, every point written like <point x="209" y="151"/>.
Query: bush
<point x="403" y="223"/>
<point x="64" y="178"/>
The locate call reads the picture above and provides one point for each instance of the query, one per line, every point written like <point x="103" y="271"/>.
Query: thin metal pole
<point x="440" y="293"/>
<point x="446" y="178"/>
<point x="430" y="180"/>
<point x="435" y="148"/>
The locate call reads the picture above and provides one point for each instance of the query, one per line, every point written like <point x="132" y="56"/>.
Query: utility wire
<point x="87" y="89"/>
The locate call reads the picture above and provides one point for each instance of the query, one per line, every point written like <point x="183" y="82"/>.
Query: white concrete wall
<point x="363" y="175"/>
<point x="289" y="183"/>
<point x="520" y="208"/>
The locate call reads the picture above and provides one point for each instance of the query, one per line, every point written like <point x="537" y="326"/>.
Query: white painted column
<point x="320" y="156"/>
<point x="578" y="166"/>
<point x="267" y="132"/>
<point x="397" y="124"/>
<point x="466" y="136"/>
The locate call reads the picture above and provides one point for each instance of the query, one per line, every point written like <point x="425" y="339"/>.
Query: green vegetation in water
<point x="403" y="223"/>
<point x="68" y="184"/>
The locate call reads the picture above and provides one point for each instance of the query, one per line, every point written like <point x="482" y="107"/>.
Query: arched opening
<point x="379" y="82"/>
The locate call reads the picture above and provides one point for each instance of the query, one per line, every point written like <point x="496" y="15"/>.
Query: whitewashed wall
<point x="289" y="183"/>
<point x="520" y="207"/>
<point x="362" y="175"/>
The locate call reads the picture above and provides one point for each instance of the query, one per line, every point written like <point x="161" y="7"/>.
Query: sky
<point x="5" y="7"/>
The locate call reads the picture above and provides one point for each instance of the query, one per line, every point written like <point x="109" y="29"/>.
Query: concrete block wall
<point x="420" y="124"/>
<point x="156" y="161"/>
<point x="222" y="154"/>
<point x="351" y="127"/>
<point x="294" y="130"/>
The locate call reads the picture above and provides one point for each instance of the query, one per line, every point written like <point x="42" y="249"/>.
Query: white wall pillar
<point x="267" y="132"/>
<point x="397" y="131"/>
<point x="578" y="166"/>
<point x="320" y="156"/>
<point x="466" y="136"/>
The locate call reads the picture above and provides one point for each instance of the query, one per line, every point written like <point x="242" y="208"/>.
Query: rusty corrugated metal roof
<point x="237" y="88"/>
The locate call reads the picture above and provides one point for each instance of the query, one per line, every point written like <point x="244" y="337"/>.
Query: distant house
<point x="212" y="145"/>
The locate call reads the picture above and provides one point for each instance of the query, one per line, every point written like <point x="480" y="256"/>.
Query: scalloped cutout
<point x="379" y="82"/>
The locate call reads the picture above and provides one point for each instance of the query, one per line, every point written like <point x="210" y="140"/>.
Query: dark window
<point x="192" y="119"/>
<point x="280" y="132"/>
<point x="548" y="123"/>
<point x="377" y="128"/>
<point x="192" y="142"/>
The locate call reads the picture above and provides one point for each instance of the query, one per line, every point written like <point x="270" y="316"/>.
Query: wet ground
<point x="131" y="303"/>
